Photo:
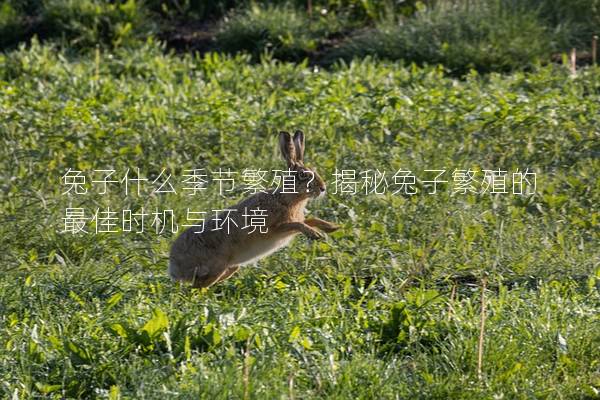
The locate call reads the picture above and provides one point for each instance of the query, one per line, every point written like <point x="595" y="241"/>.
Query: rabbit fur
<point x="214" y="254"/>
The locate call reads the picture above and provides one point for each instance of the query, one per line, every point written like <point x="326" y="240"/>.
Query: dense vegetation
<point x="488" y="35"/>
<point x="456" y="294"/>
<point x="387" y="307"/>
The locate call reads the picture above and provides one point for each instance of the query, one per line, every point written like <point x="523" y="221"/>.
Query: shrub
<point x="360" y="10"/>
<point x="191" y="9"/>
<point x="578" y="20"/>
<point x="486" y="36"/>
<point x="12" y="24"/>
<point x="288" y="33"/>
<point x="91" y="22"/>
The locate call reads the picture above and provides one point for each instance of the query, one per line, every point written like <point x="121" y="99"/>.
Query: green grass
<point x="487" y="36"/>
<point x="368" y="313"/>
<point x="576" y="20"/>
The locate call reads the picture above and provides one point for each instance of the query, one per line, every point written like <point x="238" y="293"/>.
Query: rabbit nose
<point x="322" y="188"/>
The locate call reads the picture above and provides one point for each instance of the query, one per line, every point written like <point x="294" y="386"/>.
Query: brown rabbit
<point x="214" y="255"/>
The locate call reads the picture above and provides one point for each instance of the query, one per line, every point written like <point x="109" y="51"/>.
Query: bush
<point x="92" y="22"/>
<point x="13" y="25"/>
<point x="486" y="37"/>
<point x="360" y="10"/>
<point x="84" y="23"/>
<point x="288" y="33"/>
<point x="191" y="9"/>
<point x="579" y="20"/>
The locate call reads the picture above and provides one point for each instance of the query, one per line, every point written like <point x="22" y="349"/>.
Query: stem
<point x="246" y="376"/>
<point x="451" y="302"/>
<point x="481" y="330"/>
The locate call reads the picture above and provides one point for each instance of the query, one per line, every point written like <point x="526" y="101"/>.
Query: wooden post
<point x="573" y="59"/>
<point x="594" y="48"/>
<point x="309" y="7"/>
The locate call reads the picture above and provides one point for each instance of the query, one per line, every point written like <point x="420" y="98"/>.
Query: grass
<point x="485" y="36"/>
<point x="577" y="20"/>
<point x="387" y="307"/>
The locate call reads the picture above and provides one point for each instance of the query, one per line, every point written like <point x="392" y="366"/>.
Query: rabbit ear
<point x="287" y="148"/>
<point x="299" y="145"/>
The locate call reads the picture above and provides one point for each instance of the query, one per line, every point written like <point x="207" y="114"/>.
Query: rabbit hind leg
<point x="205" y="281"/>
<point x="228" y="272"/>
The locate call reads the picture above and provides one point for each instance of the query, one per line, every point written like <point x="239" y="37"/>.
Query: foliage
<point x="12" y="24"/>
<point x="78" y="23"/>
<point x="578" y="20"/>
<point x="95" y="22"/>
<point x="488" y="35"/>
<point x="359" y="10"/>
<point x="371" y="311"/>
<point x="286" y="32"/>
<point x="481" y="36"/>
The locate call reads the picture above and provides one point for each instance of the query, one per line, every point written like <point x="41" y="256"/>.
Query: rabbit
<point x="214" y="255"/>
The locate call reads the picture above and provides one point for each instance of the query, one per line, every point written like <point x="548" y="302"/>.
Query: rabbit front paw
<point x="314" y="234"/>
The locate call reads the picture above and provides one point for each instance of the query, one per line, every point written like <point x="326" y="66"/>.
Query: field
<point x="389" y="306"/>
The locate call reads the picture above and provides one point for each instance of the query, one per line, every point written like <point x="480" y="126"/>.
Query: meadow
<point x="389" y="306"/>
